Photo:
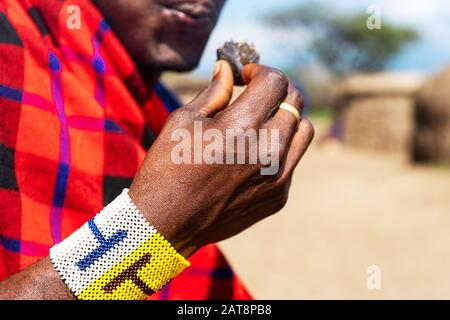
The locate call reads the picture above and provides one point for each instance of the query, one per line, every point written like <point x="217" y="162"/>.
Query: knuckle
<point x="298" y="98"/>
<point x="178" y="115"/>
<point x="278" y="79"/>
<point x="284" y="199"/>
<point x="185" y="114"/>
<point x="281" y="201"/>
<point x="281" y="183"/>
<point x="301" y="102"/>
<point x="243" y="123"/>
<point x="282" y="150"/>
<point x="309" y="128"/>
<point x="295" y="97"/>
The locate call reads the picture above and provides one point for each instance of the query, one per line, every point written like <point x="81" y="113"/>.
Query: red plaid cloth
<point x="75" y="123"/>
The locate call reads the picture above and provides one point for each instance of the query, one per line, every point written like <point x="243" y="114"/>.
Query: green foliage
<point x="322" y="113"/>
<point x="343" y="42"/>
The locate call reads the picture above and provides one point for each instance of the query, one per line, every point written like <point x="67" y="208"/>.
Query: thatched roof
<point x="385" y="83"/>
<point x="434" y="96"/>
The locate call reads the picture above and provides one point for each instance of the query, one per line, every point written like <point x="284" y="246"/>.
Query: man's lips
<point x="195" y="14"/>
<point x="194" y="10"/>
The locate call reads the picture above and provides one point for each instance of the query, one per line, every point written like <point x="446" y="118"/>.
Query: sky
<point x="241" y="21"/>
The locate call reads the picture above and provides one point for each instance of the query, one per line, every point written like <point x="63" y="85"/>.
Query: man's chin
<point x="176" y="64"/>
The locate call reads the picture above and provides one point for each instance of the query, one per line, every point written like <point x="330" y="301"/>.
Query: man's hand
<point x="196" y="204"/>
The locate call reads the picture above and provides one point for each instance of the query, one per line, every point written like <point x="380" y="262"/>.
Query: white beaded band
<point x="116" y="255"/>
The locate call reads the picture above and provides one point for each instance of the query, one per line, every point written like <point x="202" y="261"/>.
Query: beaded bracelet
<point x="116" y="255"/>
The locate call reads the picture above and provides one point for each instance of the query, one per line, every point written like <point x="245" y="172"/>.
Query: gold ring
<point x="286" y="106"/>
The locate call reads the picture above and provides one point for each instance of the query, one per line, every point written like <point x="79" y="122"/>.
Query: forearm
<point x="40" y="281"/>
<point x="43" y="281"/>
<point x="117" y="254"/>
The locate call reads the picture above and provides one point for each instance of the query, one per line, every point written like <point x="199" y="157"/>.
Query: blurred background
<point x="374" y="188"/>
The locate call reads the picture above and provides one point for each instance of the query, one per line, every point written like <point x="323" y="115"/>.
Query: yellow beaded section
<point x="144" y="271"/>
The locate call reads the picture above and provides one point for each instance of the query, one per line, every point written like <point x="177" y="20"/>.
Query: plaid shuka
<point x="75" y="123"/>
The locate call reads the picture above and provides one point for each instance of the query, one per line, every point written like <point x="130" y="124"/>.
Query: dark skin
<point x="163" y="35"/>
<point x="193" y="205"/>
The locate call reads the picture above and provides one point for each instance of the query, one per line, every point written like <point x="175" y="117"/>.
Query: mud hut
<point x="432" y="138"/>
<point x="376" y="111"/>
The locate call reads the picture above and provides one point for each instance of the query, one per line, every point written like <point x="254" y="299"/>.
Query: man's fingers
<point x="217" y="95"/>
<point x="300" y="142"/>
<point x="285" y="120"/>
<point x="266" y="89"/>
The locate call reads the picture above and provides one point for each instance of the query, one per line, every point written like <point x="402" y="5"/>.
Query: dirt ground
<point x="350" y="209"/>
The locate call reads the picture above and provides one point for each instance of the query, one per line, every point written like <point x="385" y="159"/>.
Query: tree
<point x="344" y="42"/>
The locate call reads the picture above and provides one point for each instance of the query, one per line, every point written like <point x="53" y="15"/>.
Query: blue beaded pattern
<point x="105" y="245"/>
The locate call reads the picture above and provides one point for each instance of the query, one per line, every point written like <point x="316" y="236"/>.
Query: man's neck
<point x="151" y="79"/>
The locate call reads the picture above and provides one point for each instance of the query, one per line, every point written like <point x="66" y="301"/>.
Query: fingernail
<point x="217" y="68"/>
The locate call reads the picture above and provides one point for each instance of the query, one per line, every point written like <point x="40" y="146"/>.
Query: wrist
<point x="117" y="254"/>
<point x="158" y="214"/>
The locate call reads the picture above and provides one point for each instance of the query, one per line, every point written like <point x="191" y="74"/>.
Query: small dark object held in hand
<point x="238" y="54"/>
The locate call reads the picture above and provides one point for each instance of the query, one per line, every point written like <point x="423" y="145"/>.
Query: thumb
<point x="217" y="95"/>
